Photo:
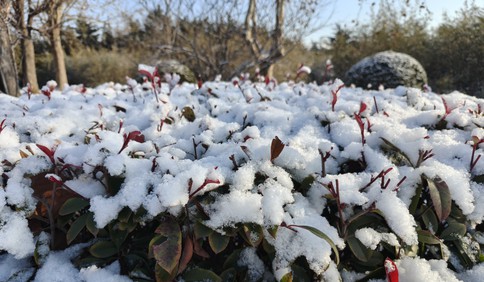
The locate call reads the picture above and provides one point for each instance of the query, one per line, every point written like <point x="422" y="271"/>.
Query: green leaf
<point x="415" y="199"/>
<point x="359" y="221"/>
<point x="360" y="251"/>
<point x="426" y="237"/>
<point x="91" y="224"/>
<point x="252" y="234"/>
<point x="440" y="195"/>
<point x="73" y="205"/>
<point x="168" y="253"/>
<point x="76" y="228"/>
<point x="229" y="275"/>
<point x="114" y="184"/>
<point x="322" y="236"/>
<point x="478" y="179"/>
<point x="300" y="273"/>
<point x="430" y="219"/>
<point x="273" y="231"/>
<point x="188" y="113"/>
<point x="124" y="214"/>
<point x="287" y="277"/>
<point x="162" y="276"/>
<point x="156" y="240"/>
<point x="103" y="249"/>
<point x="454" y="231"/>
<point x="397" y="156"/>
<point x="218" y="242"/>
<point x="201" y="275"/>
<point x="201" y="231"/>
<point x="118" y="237"/>
<point x="232" y="260"/>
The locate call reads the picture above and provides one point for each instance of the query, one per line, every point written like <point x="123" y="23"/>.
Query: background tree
<point x="25" y="13"/>
<point x="8" y="70"/>
<point x="228" y="37"/>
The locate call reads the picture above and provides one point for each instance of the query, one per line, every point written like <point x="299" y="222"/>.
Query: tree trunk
<point x="8" y="70"/>
<point x="29" y="72"/>
<point x="57" y="50"/>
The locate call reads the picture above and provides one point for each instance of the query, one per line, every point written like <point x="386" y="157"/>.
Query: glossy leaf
<point x="252" y="234"/>
<point x="187" y="253"/>
<point x="322" y="236"/>
<point x="359" y="250"/>
<point x="398" y="157"/>
<point x="440" y="195"/>
<point x="273" y="231"/>
<point x="91" y="224"/>
<point x="73" y="205"/>
<point x="415" y="199"/>
<point x="201" y="275"/>
<point x="168" y="253"/>
<point x="118" y="237"/>
<point x="430" y="219"/>
<point x="232" y="260"/>
<point x="201" y="231"/>
<point x="162" y="276"/>
<point x="426" y="237"/>
<point x="287" y="277"/>
<point x="188" y="113"/>
<point x="103" y="249"/>
<point x="48" y="152"/>
<point x="76" y="228"/>
<point x="229" y="274"/>
<point x="276" y="148"/>
<point x="218" y="242"/>
<point x="454" y="231"/>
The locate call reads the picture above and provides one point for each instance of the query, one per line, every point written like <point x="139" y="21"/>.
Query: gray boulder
<point x="389" y="69"/>
<point x="174" y="66"/>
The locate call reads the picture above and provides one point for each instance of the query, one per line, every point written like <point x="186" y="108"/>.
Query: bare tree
<point x="8" y="70"/>
<point x="230" y="37"/>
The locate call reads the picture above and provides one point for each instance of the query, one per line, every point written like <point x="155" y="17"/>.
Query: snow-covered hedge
<point x="242" y="181"/>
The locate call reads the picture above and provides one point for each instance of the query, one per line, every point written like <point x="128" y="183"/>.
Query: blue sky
<point x="345" y="11"/>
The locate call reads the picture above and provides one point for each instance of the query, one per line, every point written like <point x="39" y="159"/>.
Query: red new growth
<point x="133" y="135"/>
<point x="447" y="109"/>
<point x="205" y="183"/>
<point x="2" y="126"/>
<point x="154" y="78"/>
<point x="335" y="96"/>
<point x="50" y="153"/>
<point x="46" y="92"/>
<point x="56" y="179"/>
<point x="391" y="270"/>
<point x="360" y="122"/>
<point x="476" y="142"/>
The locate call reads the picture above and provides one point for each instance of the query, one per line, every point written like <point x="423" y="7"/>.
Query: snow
<point x="238" y="127"/>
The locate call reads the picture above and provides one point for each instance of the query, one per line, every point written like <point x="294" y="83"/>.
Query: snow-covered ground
<point x="237" y="123"/>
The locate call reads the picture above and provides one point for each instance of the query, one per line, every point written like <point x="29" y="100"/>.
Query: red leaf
<point x="362" y="107"/>
<point x="187" y="253"/>
<point x="147" y="74"/>
<point x="46" y="92"/>
<point x="276" y="148"/>
<point x="2" y="127"/>
<point x="54" y="179"/>
<point x="335" y="96"/>
<point x="50" y="153"/>
<point x="391" y="270"/>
